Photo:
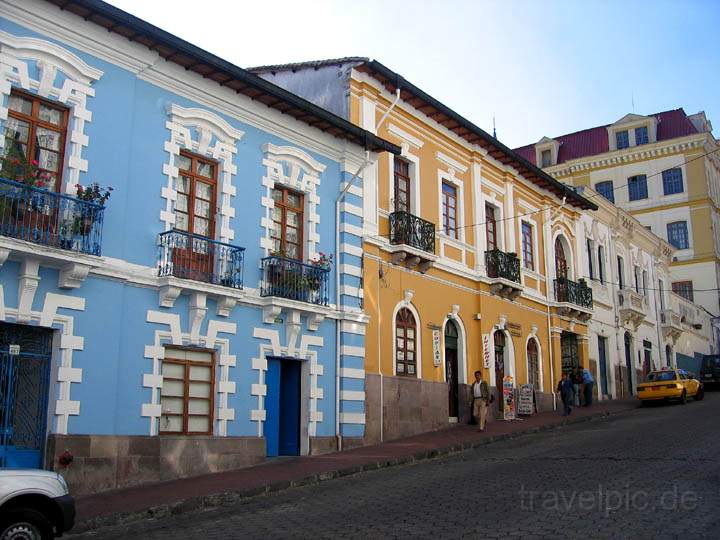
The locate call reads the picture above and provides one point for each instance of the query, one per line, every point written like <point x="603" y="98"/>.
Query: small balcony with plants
<point x="574" y="298"/>
<point x="503" y="270"/>
<point x="294" y="280"/>
<point x="190" y="256"/>
<point x="412" y="241"/>
<point x="32" y="211"/>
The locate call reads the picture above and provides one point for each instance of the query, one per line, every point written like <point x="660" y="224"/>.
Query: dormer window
<point x="622" y="140"/>
<point x="641" y="135"/>
<point x="546" y="158"/>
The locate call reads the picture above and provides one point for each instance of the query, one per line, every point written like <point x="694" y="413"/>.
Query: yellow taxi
<point x="668" y="384"/>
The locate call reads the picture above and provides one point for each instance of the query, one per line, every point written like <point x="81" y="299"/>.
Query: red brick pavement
<point x="175" y="496"/>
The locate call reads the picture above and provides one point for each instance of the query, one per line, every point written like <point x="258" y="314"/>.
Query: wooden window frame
<point x="561" y="263"/>
<point x="678" y="230"/>
<point x="186" y="394"/>
<point x="402" y="176"/>
<point x="533" y="358"/>
<point x="447" y="197"/>
<point x="406" y="319"/>
<point x="681" y="287"/>
<point x="528" y="249"/>
<point x="34" y="122"/>
<point x="490" y="227"/>
<point x="284" y="207"/>
<point x="191" y="195"/>
<point x="546" y="162"/>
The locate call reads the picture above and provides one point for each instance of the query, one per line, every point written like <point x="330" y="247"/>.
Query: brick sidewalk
<point x="212" y="490"/>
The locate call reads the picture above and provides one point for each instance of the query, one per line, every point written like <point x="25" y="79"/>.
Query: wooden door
<point x="402" y="185"/>
<point x="500" y="367"/>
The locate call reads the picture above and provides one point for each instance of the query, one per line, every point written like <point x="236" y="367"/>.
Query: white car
<point x="34" y="505"/>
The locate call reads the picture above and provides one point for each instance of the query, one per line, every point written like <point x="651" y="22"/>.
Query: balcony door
<point x="402" y="186"/>
<point x="561" y="267"/>
<point x="287" y="233"/>
<point x="491" y="227"/>
<point x="195" y="215"/>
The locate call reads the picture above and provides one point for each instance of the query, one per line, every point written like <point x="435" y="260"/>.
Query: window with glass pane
<point x="287" y="214"/>
<point x="35" y="131"/>
<point x="637" y="187"/>
<point x="186" y="398"/>
<point x="606" y="190"/>
<point x="591" y="267"/>
<point x="402" y="185"/>
<point x="490" y="227"/>
<point x="678" y="234"/>
<point x="546" y="157"/>
<point x="449" y="209"/>
<point x="196" y="186"/>
<point x="641" y="135"/>
<point x="527" y="246"/>
<point x="684" y="289"/>
<point x="405" y="346"/>
<point x="533" y="364"/>
<point x="601" y="264"/>
<point x="672" y="181"/>
<point x="622" y="140"/>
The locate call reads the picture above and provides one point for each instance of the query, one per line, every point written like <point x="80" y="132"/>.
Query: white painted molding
<point x="72" y="275"/>
<point x="450" y="162"/>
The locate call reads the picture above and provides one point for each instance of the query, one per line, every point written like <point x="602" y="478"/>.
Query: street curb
<point x="230" y="498"/>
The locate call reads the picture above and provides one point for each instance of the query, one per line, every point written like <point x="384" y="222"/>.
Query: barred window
<point x="684" y="289"/>
<point x="641" y="135"/>
<point x="637" y="187"/>
<point x="527" y="246"/>
<point x="622" y="140"/>
<point x="606" y="190"/>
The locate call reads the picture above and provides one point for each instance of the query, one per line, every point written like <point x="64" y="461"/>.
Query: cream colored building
<point x="664" y="169"/>
<point x="638" y="323"/>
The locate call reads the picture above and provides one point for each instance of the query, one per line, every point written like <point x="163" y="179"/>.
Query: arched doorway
<point x="533" y="364"/>
<point x="629" y="362"/>
<point x="451" y="367"/>
<point x="668" y="355"/>
<point x="499" y="365"/>
<point x="405" y="343"/>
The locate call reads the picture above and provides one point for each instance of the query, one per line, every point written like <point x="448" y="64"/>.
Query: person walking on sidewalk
<point x="576" y="377"/>
<point x="481" y="400"/>
<point x="566" y="389"/>
<point x="588" y="383"/>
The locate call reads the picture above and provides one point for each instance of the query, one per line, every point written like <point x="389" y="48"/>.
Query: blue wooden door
<point x="24" y="381"/>
<point x="290" y="408"/>
<point x="272" y="407"/>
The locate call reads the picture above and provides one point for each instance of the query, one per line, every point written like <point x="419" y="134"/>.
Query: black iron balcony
<point x="412" y="231"/>
<point x="191" y="256"/>
<point x="502" y="265"/>
<point x="287" y="278"/>
<point x="572" y="292"/>
<point x="48" y="218"/>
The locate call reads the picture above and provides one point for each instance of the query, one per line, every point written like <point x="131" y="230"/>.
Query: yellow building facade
<point x="470" y="256"/>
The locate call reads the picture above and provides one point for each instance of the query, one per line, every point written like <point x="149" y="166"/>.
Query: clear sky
<point x="543" y="67"/>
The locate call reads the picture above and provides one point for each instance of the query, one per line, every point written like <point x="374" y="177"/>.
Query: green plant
<point x="16" y="166"/>
<point x="94" y="193"/>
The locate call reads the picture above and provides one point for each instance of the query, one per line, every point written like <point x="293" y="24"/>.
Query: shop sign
<point x="486" y="351"/>
<point x="514" y="329"/>
<point x="508" y="398"/>
<point x="526" y="400"/>
<point x="436" y="346"/>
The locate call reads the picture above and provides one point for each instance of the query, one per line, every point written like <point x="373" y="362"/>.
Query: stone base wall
<point x="322" y="445"/>
<point x="410" y="406"/>
<point x="102" y="462"/>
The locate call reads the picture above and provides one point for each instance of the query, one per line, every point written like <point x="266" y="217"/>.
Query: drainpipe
<point x="338" y="201"/>
<point x="379" y="346"/>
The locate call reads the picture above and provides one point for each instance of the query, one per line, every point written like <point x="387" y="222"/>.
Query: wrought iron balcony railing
<point x="191" y="256"/>
<point x="294" y="280"/>
<point x="48" y="218"/>
<point x="502" y="265"/>
<point x="410" y="230"/>
<point x="577" y="293"/>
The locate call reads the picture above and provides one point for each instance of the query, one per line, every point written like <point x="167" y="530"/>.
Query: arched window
<point x="533" y="364"/>
<point x="499" y="339"/>
<point x="561" y="269"/>
<point x="406" y="340"/>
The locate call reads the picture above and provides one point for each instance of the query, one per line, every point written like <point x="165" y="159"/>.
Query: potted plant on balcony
<point x="85" y="215"/>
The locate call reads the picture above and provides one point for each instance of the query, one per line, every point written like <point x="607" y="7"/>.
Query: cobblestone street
<point x="653" y="473"/>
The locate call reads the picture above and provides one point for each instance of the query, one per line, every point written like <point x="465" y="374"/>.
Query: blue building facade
<point x="193" y="322"/>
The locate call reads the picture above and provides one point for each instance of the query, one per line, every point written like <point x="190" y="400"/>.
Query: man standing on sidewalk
<point x="481" y="400"/>
<point x="588" y="383"/>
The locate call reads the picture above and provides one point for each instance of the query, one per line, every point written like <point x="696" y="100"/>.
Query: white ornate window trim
<point x="213" y="138"/>
<point x="303" y="176"/>
<point x="406" y="302"/>
<point x="175" y="336"/>
<point x="15" y="52"/>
